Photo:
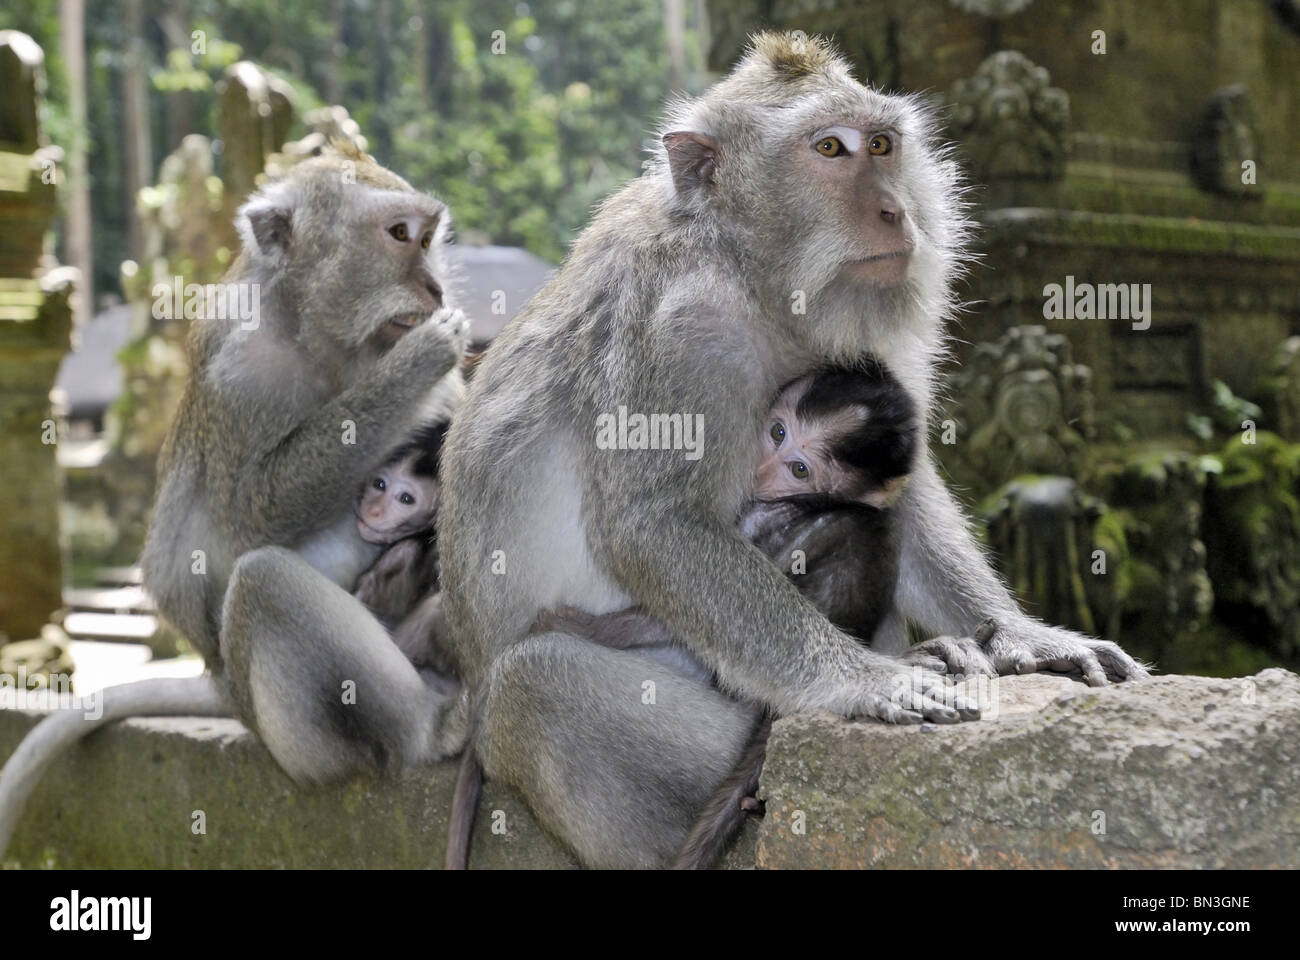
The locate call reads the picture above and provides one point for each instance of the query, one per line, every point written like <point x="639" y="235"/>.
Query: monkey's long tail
<point x="53" y="736"/>
<point x="464" y="808"/>
<point x="723" y="815"/>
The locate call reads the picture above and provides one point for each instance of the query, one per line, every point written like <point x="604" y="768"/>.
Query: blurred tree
<point x="522" y="116"/>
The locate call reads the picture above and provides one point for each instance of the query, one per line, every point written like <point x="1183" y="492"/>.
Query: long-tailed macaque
<point x="254" y="546"/>
<point x="792" y="218"/>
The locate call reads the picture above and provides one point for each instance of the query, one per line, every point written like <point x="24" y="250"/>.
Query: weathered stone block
<point x="1176" y="771"/>
<point x="1180" y="772"/>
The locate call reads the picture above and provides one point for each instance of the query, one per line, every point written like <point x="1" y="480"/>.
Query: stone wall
<point x="1171" y="772"/>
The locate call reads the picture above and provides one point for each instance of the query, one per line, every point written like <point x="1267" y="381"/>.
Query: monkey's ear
<point x="265" y="223"/>
<point x="692" y="158"/>
<point x="271" y="226"/>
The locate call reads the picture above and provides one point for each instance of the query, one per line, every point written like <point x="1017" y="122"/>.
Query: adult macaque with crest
<point x="787" y="182"/>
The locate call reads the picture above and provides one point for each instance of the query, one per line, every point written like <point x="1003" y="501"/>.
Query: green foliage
<point x="535" y="124"/>
<point x="1252" y="535"/>
<point x="521" y="143"/>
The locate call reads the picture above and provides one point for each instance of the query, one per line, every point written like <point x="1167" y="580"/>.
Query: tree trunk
<point x="175" y="20"/>
<point x="138" y="166"/>
<point x="675" y="34"/>
<point x="72" y="45"/>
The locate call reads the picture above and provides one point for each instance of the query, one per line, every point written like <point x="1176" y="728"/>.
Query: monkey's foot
<point x="956" y="656"/>
<point x="1029" y="646"/>
<point x="753" y="805"/>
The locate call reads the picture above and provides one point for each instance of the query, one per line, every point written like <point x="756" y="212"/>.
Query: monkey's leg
<point x="726" y="808"/>
<point x="318" y="678"/>
<point x="615" y="753"/>
<point x="56" y="734"/>
<point x="622" y="630"/>
<point x="422" y="636"/>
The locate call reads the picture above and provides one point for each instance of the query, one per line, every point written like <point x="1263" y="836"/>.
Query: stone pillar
<point x="35" y="333"/>
<point x="256" y="113"/>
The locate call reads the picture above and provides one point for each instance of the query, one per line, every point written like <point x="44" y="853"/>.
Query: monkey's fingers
<point x="935" y="711"/>
<point x="1118" y="664"/>
<point x="876" y="707"/>
<point x="939" y="689"/>
<point x="953" y="655"/>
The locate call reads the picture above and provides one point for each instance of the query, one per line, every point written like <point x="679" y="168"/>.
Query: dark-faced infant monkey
<point x="835" y="454"/>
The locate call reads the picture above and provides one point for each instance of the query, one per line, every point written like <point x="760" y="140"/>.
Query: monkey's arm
<point x="395" y="581"/>
<point x="946" y="585"/>
<point x="315" y="465"/>
<point x="736" y="611"/>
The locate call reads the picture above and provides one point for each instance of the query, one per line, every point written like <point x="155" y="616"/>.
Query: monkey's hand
<point x="912" y="694"/>
<point x="1026" y="645"/>
<point x="958" y="656"/>
<point x="393" y="583"/>
<point x="430" y="351"/>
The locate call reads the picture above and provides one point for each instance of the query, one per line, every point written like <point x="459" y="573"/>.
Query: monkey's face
<point x="358" y="252"/>
<point x="395" y="283"/>
<point x="854" y="166"/>
<point x="795" y="453"/>
<point x="396" y="503"/>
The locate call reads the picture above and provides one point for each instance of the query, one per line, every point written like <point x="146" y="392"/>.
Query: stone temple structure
<point x="35" y="333"/>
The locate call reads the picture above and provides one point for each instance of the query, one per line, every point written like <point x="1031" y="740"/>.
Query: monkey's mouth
<point x="892" y="255"/>
<point x="405" y="321"/>
<point x="881" y="269"/>
<point x="369" y="533"/>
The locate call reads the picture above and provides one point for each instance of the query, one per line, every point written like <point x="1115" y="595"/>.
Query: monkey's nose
<point x="891" y="211"/>
<point x="435" y="289"/>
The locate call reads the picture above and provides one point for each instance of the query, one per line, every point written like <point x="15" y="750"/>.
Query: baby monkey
<point x="835" y="454"/>
<point x="396" y="510"/>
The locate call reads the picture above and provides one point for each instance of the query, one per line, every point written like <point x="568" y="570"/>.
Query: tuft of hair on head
<point x="776" y="67"/>
<point x="793" y="56"/>
<point x="879" y="446"/>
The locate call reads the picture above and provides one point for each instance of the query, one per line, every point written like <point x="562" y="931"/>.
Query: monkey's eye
<point x="879" y="145"/>
<point x="426" y="241"/>
<point x="379" y="483"/>
<point x="831" y="147"/>
<point x="777" y="433"/>
<point x="799" y="469"/>
<point x="399" y="232"/>
<point x="407" y="499"/>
